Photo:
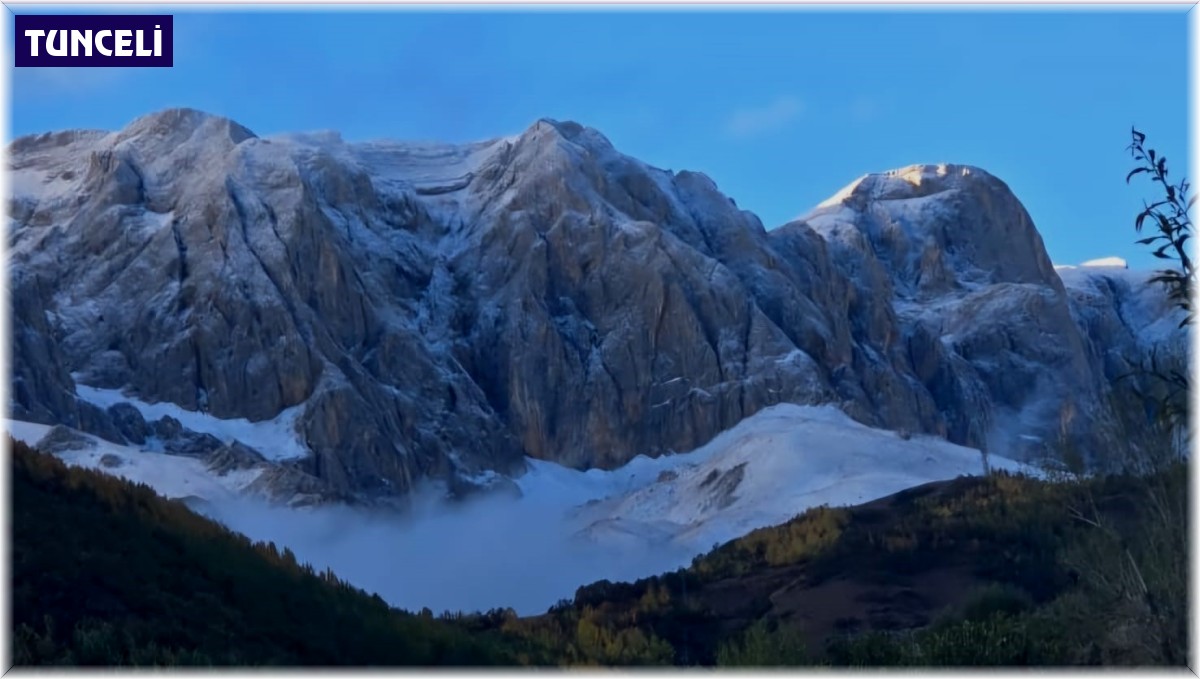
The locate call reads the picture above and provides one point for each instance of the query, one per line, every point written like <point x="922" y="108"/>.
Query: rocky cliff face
<point x="434" y="311"/>
<point x="979" y="311"/>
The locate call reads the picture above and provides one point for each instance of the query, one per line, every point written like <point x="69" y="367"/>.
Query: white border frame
<point x="179" y="6"/>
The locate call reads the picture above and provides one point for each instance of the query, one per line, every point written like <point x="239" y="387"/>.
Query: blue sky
<point x="781" y="109"/>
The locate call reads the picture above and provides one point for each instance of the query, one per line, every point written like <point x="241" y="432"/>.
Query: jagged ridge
<point x="435" y="311"/>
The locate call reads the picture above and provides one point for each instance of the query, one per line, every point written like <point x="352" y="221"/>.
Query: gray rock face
<point x="438" y="311"/>
<point x="61" y="439"/>
<point x="192" y="444"/>
<point x="285" y="484"/>
<point x="42" y="389"/>
<point x="1014" y="360"/>
<point x="175" y="439"/>
<point x="130" y="423"/>
<point x="234" y="457"/>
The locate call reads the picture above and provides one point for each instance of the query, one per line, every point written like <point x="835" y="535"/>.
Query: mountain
<point x="1012" y="353"/>
<point x="365" y="316"/>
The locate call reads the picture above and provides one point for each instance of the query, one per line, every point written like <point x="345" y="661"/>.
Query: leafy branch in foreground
<point x="1171" y="216"/>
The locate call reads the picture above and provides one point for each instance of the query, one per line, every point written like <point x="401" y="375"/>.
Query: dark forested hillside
<point x="1000" y="570"/>
<point x="106" y="572"/>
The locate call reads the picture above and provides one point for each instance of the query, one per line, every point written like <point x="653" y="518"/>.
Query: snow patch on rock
<point x="277" y="439"/>
<point x="172" y="476"/>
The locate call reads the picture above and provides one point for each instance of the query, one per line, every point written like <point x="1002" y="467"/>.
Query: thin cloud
<point x="755" y="122"/>
<point x="489" y="552"/>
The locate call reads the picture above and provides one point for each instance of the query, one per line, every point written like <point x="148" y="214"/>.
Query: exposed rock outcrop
<point x="234" y="457"/>
<point x="61" y="439"/>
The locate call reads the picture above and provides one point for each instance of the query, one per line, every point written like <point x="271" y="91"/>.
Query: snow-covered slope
<point x="781" y="461"/>
<point x="569" y="527"/>
<point x="172" y="476"/>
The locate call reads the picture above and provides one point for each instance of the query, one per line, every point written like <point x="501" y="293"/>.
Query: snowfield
<point x="764" y="471"/>
<point x="172" y="476"/>
<point x="570" y="527"/>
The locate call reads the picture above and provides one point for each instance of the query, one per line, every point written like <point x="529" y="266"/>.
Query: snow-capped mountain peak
<point x="439" y="311"/>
